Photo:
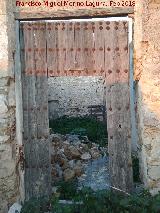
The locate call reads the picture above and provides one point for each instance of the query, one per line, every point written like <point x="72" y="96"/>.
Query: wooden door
<point x="36" y="142"/>
<point x="77" y="48"/>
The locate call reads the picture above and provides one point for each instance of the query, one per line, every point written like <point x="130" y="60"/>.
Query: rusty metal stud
<point x="126" y="71"/>
<point x="100" y="23"/>
<point x="57" y="24"/>
<point x="101" y="48"/>
<point x="79" y="49"/>
<point x="117" y="23"/>
<point x="49" y="28"/>
<point x="71" y="49"/>
<point x="116" y="28"/>
<point x="108" y="22"/>
<point x="63" y="24"/>
<point x="64" y="49"/>
<point x="86" y="28"/>
<point x="63" y="28"/>
<point x="78" y="23"/>
<point x="109" y="71"/>
<point x="49" y="49"/>
<point x="79" y="72"/>
<point x="93" y="23"/>
<point x="93" y="28"/>
<point x="72" y="71"/>
<point x="29" y="49"/>
<point x="35" y="28"/>
<point x="94" y="71"/>
<point x="85" y="23"/>
<point x="118" y="71"/>
<point x="42" y="29"/>
<point x="58" y="71"/>
<point x="70" y="28"/>
<point x="56" y="28"/>
<point x="110" y="108"/>
<point x="107" y="28"/>
<point x="117" y="49"/>
<point x="77" y="28"/>
<point x="36" y="49"/>
<point x="102" y="70"/>
<point x="57" y="49"/>
<point x="101" y="28"/>
<point x="108" y="48"/>
<point x="71" y="23"/>
<point x="51" y="71"/>
<point x="126" y="48"/>
<point x="28" y="28"/>
<point x="127" y="107"/>
<point x="85" y="49"/>
<point x="93" y="49"/>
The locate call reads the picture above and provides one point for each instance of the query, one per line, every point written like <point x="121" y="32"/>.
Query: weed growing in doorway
<point x="84" y="126"/>
<point x="88" y="201"/>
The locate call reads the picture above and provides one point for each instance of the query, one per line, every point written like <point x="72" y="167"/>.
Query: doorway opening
<point x="82" y="68"/>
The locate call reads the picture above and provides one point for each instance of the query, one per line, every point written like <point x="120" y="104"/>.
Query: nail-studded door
<point x="75" y="48"/>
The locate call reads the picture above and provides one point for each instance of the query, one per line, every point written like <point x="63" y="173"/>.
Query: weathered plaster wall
<point x="8" y="179"/>
<point x="147" y="74"/>
<point x="71" y="96"/>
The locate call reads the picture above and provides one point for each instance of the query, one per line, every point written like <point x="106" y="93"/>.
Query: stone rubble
<point x="69" y="155"/>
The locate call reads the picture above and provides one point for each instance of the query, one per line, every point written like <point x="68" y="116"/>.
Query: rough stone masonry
<point x="147" y="75"/>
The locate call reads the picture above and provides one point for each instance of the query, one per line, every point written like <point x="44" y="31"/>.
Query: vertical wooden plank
<point x="52" y="57"/>
<point x="70" y="50"/>
<point x="61" y="47"/>
<point x="36" y="132"/>
<point x="99" y="34"/>
<point x="118" y="105"/>
<point x="19" y="105"/>
<point x="87" y="48"/>
<point x="78" y="44"/>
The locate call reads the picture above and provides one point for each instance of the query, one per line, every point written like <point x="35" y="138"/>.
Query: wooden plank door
<point x="37" y="176"/>
<point x="118" y="105"/>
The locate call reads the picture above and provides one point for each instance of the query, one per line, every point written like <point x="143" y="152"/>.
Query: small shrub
<point x="94" y="129"/>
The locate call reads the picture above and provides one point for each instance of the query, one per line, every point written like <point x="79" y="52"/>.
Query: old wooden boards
<point x="75" y="48"/>
<point x="118" y="106"/>
<point x="35" y="112"/>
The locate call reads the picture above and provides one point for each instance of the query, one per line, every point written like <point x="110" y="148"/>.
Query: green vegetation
<point x="88" y="201"/>
<point x="136" y="172"/>
<point x="83" y="126"/>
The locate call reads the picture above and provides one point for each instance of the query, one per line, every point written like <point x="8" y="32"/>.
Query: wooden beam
<point x="110" y="11"/>
<point x="19" y="111"/>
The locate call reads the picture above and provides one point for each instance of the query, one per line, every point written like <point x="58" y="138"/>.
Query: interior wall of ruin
<point x="146" y="74"/>
<point x="71" y="96"/>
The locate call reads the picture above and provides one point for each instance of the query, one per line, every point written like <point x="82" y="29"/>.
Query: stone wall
<point x="71" y="96"/>
<point x="8" y="176"/>
<point x="147" y="76"/>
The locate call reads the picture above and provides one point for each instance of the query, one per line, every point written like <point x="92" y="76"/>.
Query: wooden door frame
<point x="59" y="14"/>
